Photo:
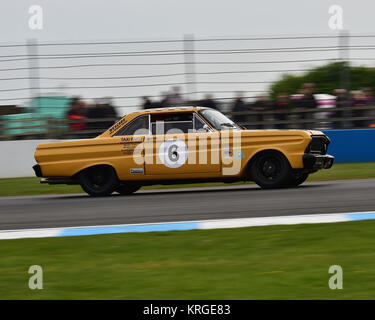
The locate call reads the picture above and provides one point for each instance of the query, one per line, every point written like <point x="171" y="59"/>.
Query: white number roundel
<point x="173" y="153"/>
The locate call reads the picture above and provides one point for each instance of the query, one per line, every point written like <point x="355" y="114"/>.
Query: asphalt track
<point x="191" y="204"/>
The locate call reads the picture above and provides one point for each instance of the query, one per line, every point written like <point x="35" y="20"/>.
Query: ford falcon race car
<point x="182" y="145"/>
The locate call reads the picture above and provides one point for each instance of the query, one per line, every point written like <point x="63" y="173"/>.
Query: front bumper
<point x="317" y="161"/>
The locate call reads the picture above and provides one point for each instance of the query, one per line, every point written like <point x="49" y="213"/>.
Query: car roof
<point x="169" y="109"/>
<point x="135" y="114"/>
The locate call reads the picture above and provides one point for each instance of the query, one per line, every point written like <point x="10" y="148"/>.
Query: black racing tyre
<point x="271" y="170"/>
<point x="99" y="181"/>
<point x="297" y="179"/>
<point x="125" y="189"/>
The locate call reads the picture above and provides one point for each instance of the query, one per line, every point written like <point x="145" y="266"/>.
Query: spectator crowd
<point x="305" y="109"/>
<point x="92" y="118"/>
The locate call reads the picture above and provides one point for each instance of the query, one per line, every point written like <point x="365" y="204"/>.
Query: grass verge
<point x="274" y="262"/>
<point x="31" y="186"/>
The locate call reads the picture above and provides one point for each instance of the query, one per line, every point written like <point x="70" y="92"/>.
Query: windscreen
<point x="218" y="120"/>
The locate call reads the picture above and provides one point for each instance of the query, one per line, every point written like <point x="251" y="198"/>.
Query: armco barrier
<point x="354" y="145"/>
<point x="17" y="158"/>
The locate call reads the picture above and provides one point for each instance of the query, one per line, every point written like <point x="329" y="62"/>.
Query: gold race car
<point x="182" y="145"/>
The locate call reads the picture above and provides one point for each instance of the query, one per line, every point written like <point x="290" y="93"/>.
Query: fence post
<point x="33" y="63"/>
<point x="344" y="38"/>
<point x="190" y="76"/>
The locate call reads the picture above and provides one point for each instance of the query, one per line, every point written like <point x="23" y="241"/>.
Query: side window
<point x="198" y="124"/>
<point x="139" y="126"/>
<point x="167" y="122"/>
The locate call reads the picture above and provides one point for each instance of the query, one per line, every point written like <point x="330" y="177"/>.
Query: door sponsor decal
<point x="136" y="170"/>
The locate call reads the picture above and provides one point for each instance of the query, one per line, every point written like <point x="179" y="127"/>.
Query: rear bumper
<point x="317" y="161"/>
<point x="37" y="170"/>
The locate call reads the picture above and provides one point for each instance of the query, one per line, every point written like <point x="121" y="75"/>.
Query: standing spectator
<point x="358" y="100"/>
<point x="281" y="109"/>
<point x="109" y="112"/>
<point x="342" y="101"/>
<point x="95" y="114"/>
<point x="306" y="102"/>
<point x="165" y="101"/>
<point x="239" y="106"/>
<point x="260" y="105"/>
<point x="102" y="114"/>
<point x="147" y="104"/>
<point x="370" y="102"/>
<point x="208" y="102"/>
<point x="175" y="98"/>
<point x="77" y="112"/>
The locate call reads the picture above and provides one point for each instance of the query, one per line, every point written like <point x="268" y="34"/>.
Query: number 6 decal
<point x="173" y="153"/>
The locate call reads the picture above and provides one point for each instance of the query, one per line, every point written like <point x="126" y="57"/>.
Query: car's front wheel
<point x="271" y="170"/>
<point x="98" y="181"/>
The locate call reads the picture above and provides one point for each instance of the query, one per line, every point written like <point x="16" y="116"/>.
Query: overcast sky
<point x="165" y="19"/>
<point x="114" y="19"/>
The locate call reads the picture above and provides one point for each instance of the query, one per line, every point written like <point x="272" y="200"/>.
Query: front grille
<point x="318" y="145"/>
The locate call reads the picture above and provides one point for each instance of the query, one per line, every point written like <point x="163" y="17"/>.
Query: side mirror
<point x="206" y="128"/>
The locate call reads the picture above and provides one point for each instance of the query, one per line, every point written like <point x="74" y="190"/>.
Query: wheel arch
<point x="94" y="165"/>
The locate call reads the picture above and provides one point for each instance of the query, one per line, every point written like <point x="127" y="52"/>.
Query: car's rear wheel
<point x="99" y="181"/>
<point x="126" y="189"/>
<point x="270" y="170"/>
<point x="297" y="179"/>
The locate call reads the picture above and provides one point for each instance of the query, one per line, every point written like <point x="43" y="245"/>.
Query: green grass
<point x="274" y="262"/>
<point x="31" y="186"/>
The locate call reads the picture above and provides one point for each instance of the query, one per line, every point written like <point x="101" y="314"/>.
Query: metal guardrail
<point x="294" y="119"/>
<point x="52" y="128"/>
<point x="297" y="118"/>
